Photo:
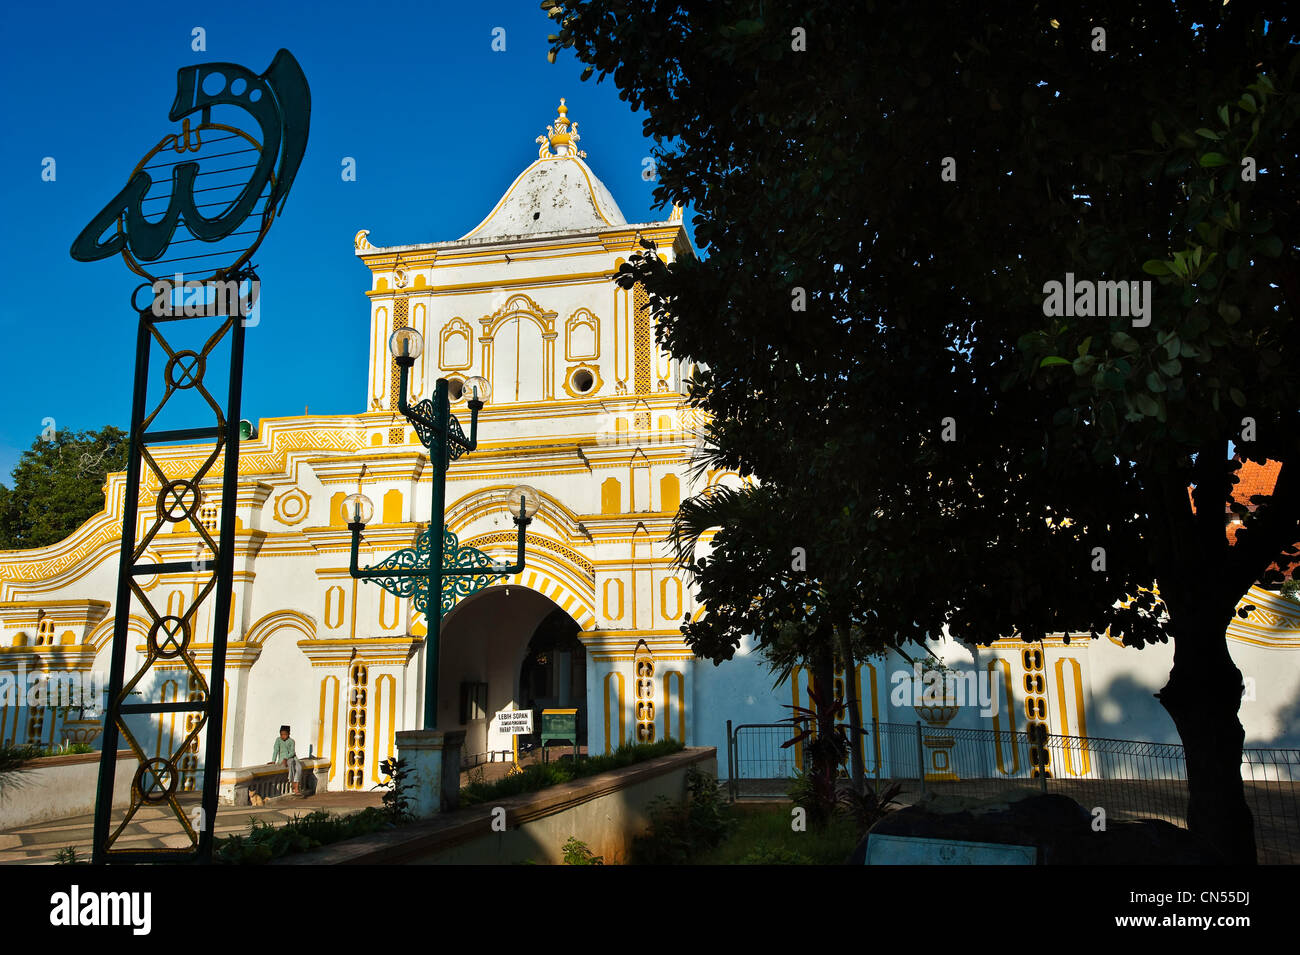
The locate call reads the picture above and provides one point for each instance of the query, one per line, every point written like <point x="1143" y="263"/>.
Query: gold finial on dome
<point x="562" y="136"/>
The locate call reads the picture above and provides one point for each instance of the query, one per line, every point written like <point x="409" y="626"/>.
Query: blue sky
<point x="438" y="122"/>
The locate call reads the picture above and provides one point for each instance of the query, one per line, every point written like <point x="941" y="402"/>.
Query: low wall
<point x="271" y="780"/>
<point x="604" y="811"/>
<point x="56" y="786"/>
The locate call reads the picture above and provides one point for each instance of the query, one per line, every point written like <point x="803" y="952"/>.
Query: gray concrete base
<point x="434" y="760"/>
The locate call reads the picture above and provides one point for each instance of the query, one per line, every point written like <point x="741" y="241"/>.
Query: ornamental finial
<point x="562" y="136"/>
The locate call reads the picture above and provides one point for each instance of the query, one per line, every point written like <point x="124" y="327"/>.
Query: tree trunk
<point x="1203" y="696"/>
<point x="856" y="768"/>
<point x="824" y="764"/>
<point x="824" y="678"/>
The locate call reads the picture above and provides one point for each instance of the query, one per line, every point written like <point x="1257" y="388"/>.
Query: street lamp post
<point x="423" y="572"/>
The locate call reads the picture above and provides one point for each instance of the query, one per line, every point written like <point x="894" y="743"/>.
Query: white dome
<point x="557" y="193"/>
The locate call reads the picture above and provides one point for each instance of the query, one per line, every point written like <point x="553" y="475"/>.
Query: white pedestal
<point x="434" y="759"/>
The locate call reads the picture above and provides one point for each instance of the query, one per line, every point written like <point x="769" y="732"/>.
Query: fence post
<point x="920" y="757"/>
<point x="731" y="781"/>
<point x="1042" y="762"/>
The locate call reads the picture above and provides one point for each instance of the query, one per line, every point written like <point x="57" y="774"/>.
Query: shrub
<point x="68" y="856"/>
<point x="576" y="852"/>
<point x="867" y="809"/>
<point x="397" y="805"/>
<point x="680" y="832"/>
<point x="11" y="757"/>
<point x="541" y="775"/>
<point x="774" y="855"/>
<point x="11" y="762"/>
<point x="265" y="842"/>
<point x="68" y="749"/>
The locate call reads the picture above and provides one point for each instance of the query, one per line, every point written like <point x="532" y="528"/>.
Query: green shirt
<point x="283" y="750"/>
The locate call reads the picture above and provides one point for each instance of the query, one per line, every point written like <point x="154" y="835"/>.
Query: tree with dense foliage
<point x="58" y="485"/>
<point x="885" y="193"/>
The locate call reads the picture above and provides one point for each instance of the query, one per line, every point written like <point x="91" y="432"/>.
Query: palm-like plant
<point x="12" y="759"/>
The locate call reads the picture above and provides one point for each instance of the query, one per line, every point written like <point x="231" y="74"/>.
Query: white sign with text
<point x="513" y="722"/>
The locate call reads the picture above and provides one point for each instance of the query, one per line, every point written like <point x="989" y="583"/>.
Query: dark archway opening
<point x="553" y="675"/>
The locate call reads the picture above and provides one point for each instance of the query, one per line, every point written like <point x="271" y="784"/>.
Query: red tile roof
<point x="1252" y="480"/>
<point x="1255" y="479"/>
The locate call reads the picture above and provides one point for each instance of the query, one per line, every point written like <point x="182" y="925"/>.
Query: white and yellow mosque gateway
<point x="587" y="409"/>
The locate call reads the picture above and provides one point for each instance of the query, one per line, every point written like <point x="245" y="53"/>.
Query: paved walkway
<point x="156" y="827"/>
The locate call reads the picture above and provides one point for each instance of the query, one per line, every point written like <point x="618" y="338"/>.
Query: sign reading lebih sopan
<point x="513" y="722"/>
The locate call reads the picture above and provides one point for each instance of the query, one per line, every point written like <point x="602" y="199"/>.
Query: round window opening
<point x="455" y="389"/>
<point x="583" y="381"/>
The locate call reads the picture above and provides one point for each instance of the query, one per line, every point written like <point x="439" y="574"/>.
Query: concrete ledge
<point x="55" y="786"/>
<point x="605" y="811"/>
<point x="270" y="781"/>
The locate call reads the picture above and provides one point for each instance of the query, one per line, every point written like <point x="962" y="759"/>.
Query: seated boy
<point x="284" y="753"/>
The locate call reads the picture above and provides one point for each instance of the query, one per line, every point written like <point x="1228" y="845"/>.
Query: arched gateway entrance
<point x="489" y="662"/>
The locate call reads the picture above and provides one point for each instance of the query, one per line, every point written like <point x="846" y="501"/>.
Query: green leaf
<point x="1146" y="404"/>
<point x="1223" y="115"/>
<point x="1084" y="346"/>
<point x="1272" y="247"/>
<point x="1229" y="313"/>
<point x="1209" y="133"/>
<point x="1210" y="160"/>
<point x="1154" y="382"/>
<point x="1124" y="342"/>
<point x="1171" y="367"/>
<point x="1053" y="360"/>
<point x="1155" y="267"/>
<point x="1158" y="134"/>
<point x="1237" y="397"/>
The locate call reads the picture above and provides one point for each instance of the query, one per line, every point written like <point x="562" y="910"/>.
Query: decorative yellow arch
<point x="549" y="571"/>
<point x="290" y="619"/>
<point x="521" y="306"/>
<point x="551" y="512"/>
<point x="103" y="632"/>
<point x="518" y="305"/>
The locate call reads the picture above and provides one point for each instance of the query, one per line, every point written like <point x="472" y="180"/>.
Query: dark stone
<point x="1057" y="825"/>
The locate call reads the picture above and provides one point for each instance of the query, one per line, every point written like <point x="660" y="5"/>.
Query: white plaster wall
<point x="483" y="639"/>
<point x="282" y="688"/>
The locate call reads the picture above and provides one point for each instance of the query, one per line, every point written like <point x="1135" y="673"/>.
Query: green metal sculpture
<point x="280" y="103"/>
<point x="454" y="558"/>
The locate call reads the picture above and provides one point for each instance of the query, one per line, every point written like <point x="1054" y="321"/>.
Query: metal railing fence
<point x="1129" y="779"/>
